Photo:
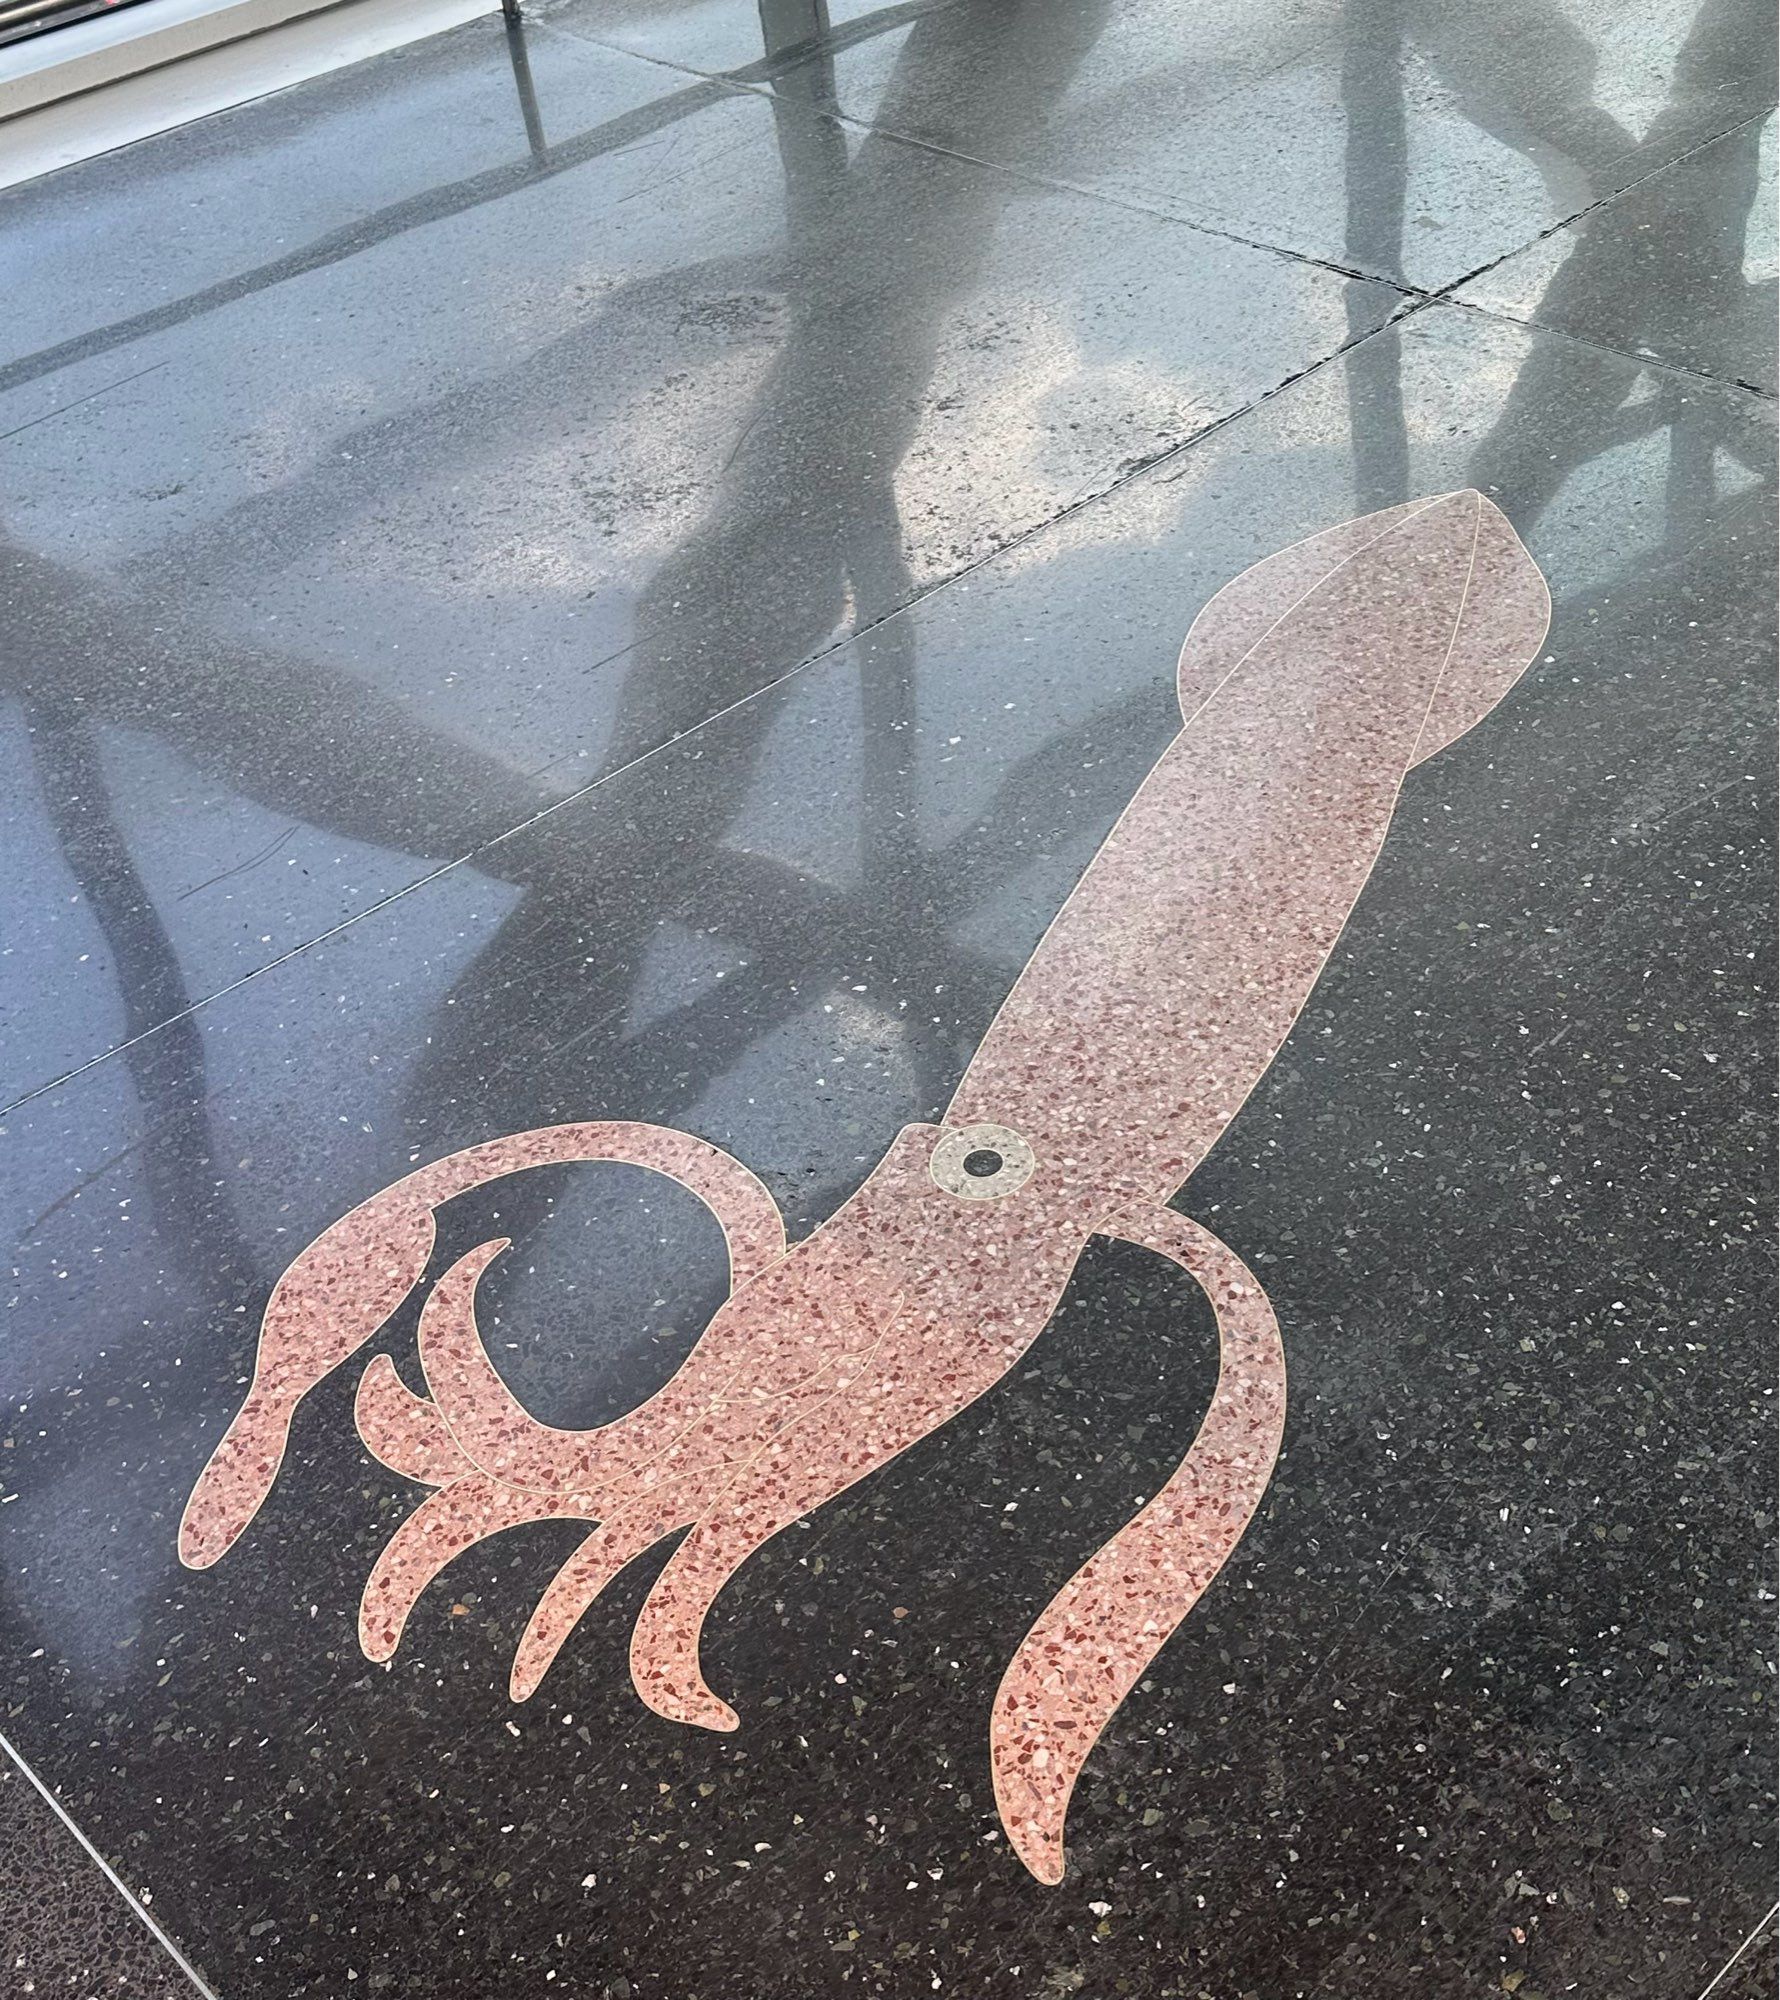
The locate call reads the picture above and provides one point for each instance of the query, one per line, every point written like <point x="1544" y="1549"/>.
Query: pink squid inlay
<point x="1309" y="687"/>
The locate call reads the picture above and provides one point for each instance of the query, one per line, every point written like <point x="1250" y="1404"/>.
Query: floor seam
<point x="1728" y="383"/>
<point x="1752" y="1938"/>
<point x="740" y="82"/>
<point x="771" y="71"/>
<point x="1208" y="228"/>
<point x="1604" y="201"/>
<point x="1125" y="203"/>
<point x="840" y="41"/>
<point x="137" y="1907"/>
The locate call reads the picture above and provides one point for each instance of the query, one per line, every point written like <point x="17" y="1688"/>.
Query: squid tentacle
<point x="1092" y="1643"/>
<point x="488" y="1422"/>
<point x="407" y="1432"/>
<point x="653" y="1500"/>
<point x="338" y="1294"/>
<point x="331" y="1300"/>
<point x="862" y="1424"/>
<point x="698" y="1412"/>
<point x="571" y="1593"/>
<point x="440" y="1529"/>
<point x="633" y="1515"/>
<point x="635" y="1518"/>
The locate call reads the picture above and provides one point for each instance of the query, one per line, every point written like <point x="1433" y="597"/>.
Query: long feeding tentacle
<point x="325" y="1307"/>
<point x="1092" y="1643"/>
<point x="341" y="1290"/>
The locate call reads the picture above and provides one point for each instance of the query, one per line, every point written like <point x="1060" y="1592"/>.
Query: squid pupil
<point x="982" y="1163"/>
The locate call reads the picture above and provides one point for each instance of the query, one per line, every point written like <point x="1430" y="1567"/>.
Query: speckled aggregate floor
<point x="622" y="572"/>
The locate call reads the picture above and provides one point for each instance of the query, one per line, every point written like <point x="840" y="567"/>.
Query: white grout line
<point x="111" y="1875"/>
<point x="1741" y="1949"/>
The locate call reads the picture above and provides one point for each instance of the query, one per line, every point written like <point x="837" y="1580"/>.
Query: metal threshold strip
<point x="172" y="61"/>
<point x="20" y="18"/>
<point x="127" y="69"/>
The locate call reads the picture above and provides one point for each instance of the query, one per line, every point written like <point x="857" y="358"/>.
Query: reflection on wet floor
<point x="621" y="570"/>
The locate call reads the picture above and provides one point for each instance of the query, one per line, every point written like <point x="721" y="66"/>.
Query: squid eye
<point x="981" y="1162"/>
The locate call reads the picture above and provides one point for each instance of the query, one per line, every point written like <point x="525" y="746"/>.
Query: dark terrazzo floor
<point x="651" y="624"/>
<point x="64" y="1929"/>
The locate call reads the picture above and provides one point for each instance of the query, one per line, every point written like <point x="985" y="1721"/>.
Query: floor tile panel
<point x="1414" y="142"/>
<point x="711" y="37"/>
<point x="298" y="615"/>
<point x="222" y="206"/>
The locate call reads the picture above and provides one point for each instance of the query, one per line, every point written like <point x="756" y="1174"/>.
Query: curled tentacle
<point x="709" y="1412"/>
<point x="406" y="1431"/>
<point x="440" y="1528"/>
<point x="499" y="1434"/>
<point x="1092" y="1643"/>
<point x="489" y="1423"/>
<point x="340" y="1291"/>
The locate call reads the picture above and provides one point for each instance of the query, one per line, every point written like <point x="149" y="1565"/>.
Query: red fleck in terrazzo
<point x="1155" y="1002"/>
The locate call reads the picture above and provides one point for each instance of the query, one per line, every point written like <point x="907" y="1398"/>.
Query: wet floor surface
<point x="624" y="575"/>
